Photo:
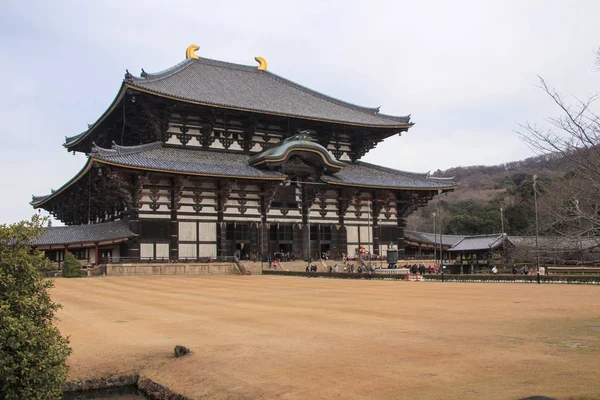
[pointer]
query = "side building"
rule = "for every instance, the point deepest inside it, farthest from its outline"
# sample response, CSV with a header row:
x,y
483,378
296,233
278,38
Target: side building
x,y
209,159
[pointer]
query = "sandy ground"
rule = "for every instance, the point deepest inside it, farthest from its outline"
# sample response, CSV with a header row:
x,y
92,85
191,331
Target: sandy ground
x,y
297,338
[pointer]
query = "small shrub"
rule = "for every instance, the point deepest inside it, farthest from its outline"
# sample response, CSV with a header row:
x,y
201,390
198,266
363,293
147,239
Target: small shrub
x,y
180,351
71,267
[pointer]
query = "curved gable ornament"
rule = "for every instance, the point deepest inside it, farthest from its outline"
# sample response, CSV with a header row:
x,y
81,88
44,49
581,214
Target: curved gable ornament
x,y
191,50
262,63
298,145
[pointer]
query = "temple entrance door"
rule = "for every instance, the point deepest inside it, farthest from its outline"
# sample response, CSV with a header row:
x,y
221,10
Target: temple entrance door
x,y
241,250
285,247
325,248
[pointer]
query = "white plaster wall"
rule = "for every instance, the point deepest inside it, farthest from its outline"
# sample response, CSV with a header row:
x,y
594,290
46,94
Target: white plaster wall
x,y
187,231
146,250
187,250
208,232
162,250
208,250
352,234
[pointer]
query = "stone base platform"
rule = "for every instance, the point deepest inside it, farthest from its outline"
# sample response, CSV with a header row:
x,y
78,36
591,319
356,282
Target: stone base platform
x,y
172,269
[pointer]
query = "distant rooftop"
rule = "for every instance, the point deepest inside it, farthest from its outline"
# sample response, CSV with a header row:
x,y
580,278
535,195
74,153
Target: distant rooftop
x,y
480,242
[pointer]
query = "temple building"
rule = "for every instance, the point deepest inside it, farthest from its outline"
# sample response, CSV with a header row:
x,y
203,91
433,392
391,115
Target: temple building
x,y
209,159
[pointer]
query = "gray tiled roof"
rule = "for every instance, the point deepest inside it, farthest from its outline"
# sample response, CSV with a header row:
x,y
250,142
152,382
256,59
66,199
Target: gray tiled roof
x,y
371,175
84,233
425,237
156,156
480,242
192,161
244,87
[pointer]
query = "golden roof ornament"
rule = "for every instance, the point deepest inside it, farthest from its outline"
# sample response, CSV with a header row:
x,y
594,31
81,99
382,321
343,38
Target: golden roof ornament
x,y
190,52
262,63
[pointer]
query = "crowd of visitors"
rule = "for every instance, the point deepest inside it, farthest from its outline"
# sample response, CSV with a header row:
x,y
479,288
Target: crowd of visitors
x,y
421,269
284,256
524,270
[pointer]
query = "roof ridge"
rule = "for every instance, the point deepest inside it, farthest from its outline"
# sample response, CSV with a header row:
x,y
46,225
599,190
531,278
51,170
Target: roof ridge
x,y
119,150
485,235
431,233
423,175
165,73
116,222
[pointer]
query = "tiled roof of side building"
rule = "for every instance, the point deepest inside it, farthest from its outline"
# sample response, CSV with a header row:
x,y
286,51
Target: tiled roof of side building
x,y
480,242
84,233
243,87
426,237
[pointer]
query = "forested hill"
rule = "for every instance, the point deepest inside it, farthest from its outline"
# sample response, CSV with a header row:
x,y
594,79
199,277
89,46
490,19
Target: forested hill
x,y
475,207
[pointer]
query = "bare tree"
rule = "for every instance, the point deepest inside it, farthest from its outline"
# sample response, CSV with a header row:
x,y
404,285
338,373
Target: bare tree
x,y
570,206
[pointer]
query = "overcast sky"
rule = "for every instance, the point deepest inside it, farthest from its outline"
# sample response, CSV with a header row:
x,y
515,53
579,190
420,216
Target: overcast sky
x,y
465,70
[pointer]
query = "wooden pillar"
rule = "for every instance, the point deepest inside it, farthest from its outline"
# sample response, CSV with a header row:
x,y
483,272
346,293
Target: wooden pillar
x,y
319,236
297,239
472,255
308,196
96,254
263,237
133,244
305,234
376,206
266,196
344,200
400,241
403,203
176,191
223,192
335,242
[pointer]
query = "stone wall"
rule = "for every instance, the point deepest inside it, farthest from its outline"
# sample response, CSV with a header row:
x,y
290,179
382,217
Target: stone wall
x,y
172,269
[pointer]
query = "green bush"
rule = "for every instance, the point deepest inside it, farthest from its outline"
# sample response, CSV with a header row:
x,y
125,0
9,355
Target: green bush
x,y
549,279
582,279
32,351
339,275
71,268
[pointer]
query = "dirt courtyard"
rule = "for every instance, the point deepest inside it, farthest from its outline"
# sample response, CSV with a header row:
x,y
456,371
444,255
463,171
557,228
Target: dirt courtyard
x,y
297,338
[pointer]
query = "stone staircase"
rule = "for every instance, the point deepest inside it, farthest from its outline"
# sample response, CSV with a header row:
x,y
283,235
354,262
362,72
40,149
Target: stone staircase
x,y
252,267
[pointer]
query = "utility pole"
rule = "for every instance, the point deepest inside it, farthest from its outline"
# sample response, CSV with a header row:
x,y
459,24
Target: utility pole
x,y
440,219
503,238
308,233
434,240
537,246
369,231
